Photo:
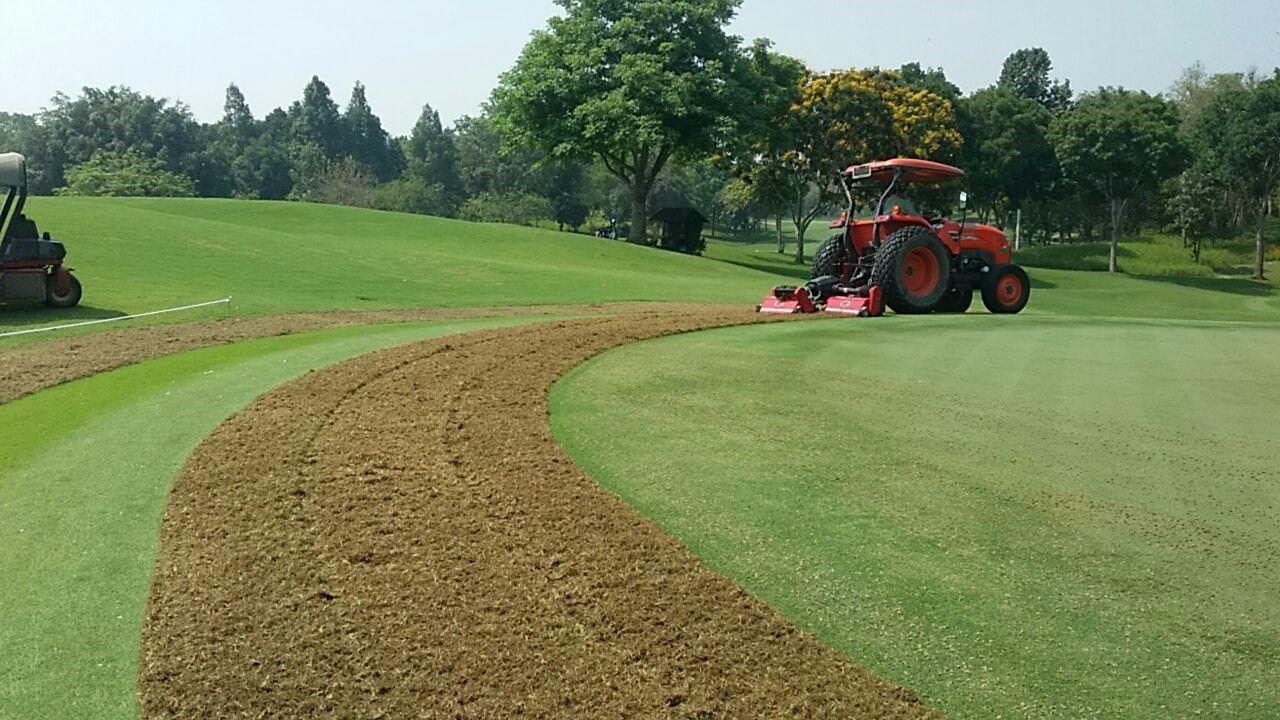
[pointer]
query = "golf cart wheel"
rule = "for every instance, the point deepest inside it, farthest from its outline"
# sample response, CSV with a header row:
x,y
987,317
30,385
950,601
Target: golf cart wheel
x,y
69,298
832,259
1006,290
955,300
913,269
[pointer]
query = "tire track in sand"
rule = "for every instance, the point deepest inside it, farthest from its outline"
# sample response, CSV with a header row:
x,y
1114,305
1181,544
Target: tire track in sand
x,y
401,536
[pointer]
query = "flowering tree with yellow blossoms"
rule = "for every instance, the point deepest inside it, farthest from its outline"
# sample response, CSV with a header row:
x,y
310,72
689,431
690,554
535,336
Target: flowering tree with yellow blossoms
x,y
847,117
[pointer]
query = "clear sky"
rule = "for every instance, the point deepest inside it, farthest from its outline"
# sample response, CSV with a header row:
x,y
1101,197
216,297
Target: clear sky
x,y
450,52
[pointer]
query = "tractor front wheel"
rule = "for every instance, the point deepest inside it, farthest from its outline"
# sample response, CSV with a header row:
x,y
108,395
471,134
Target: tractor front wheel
x,y
955,300
1006,290
913,269
65,297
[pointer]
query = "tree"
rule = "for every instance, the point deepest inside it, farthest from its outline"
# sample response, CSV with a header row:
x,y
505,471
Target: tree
x,y
932,79
237,117
1008,158
368,143
1195,89
317,121
1119,143
633,83
15,129
17,134
1240,131
125,174
430,154
261,171
116,120
764,161
1026,74
703,182
852,116
1191,207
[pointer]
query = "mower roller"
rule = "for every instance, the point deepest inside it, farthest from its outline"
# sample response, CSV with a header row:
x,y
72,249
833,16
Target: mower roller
x,y
908,263
31,266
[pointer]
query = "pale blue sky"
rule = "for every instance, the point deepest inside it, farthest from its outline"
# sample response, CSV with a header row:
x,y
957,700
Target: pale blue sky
x,y
450,52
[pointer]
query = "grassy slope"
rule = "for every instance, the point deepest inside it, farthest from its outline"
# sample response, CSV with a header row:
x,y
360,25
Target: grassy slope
x,y
142,254
85,470
1038,516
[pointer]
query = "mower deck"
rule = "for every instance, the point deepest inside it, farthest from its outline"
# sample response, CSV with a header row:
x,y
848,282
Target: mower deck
x,y
811,298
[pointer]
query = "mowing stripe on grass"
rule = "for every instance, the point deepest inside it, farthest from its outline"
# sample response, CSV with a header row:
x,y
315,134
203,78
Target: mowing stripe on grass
x,y
85,470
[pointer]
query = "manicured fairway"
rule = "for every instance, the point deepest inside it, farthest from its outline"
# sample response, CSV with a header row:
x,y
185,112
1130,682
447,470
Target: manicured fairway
x,y
136,254
1019,517
85,470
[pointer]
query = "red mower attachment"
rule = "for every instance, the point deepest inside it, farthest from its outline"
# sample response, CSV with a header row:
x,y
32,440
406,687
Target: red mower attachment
x,y
824,294
870,305
787,300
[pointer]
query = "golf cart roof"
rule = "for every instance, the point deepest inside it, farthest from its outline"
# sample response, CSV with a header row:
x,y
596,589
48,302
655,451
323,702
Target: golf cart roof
x,y
13,170
915,171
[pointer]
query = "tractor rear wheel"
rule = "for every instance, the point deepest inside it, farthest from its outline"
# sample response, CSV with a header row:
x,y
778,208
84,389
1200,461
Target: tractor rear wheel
x,y
1006,289
68,297
913,269
832,259
955,300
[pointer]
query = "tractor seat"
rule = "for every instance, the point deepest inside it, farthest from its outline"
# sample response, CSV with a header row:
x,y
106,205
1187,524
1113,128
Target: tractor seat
x,y
23,243
25,250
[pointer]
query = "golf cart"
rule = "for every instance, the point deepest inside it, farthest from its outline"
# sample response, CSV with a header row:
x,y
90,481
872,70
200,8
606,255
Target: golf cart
x,y
31,266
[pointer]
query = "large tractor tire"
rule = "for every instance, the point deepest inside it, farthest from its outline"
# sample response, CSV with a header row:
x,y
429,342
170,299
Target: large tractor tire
x,y
68,299
832,259
955,300
1006,289
913,270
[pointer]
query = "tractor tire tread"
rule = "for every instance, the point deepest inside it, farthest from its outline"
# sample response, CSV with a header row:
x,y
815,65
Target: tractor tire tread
x,y
826,261
890,256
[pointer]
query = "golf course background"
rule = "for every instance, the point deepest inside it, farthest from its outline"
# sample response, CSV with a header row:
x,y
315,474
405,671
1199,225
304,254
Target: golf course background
x,y
979,507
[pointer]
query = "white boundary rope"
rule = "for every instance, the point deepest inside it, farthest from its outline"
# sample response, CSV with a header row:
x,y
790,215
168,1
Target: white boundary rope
x,y
226,300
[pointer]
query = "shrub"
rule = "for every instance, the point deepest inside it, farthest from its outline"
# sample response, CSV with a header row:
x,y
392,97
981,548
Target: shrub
x,y
125,174
512,208
345,182
414,195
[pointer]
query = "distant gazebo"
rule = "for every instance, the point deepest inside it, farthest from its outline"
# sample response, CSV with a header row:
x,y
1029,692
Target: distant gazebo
x,y
681,229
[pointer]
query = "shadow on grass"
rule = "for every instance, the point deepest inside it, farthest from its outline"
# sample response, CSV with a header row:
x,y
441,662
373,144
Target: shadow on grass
x,y
784,268
17,317
1232,285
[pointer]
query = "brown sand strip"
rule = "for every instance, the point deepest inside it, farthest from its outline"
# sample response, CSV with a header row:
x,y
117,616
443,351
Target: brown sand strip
x,y
29,368
400,536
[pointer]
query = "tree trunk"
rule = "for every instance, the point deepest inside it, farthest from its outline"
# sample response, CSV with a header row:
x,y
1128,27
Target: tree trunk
x,y
1184,236
800,230
639,234
1260,260
1117,209
777,227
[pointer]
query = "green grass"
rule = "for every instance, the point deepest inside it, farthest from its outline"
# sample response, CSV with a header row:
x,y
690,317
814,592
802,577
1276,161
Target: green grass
x,y
141,254
85,471
1041,516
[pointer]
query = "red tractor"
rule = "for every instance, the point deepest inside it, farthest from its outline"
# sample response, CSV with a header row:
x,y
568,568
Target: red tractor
x,y
909,263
